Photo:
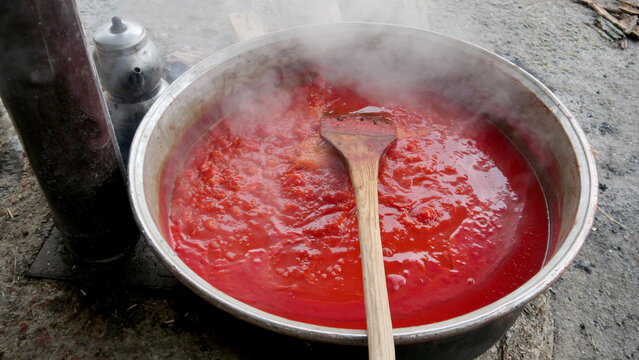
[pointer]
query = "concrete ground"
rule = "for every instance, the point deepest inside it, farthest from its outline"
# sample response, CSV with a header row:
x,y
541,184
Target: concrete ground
x,y
592,312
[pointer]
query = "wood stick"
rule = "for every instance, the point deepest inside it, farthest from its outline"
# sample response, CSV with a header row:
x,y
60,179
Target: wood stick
x,y
629,22
629,9
611,9
599,9
603,33
623,44
612,31
629,3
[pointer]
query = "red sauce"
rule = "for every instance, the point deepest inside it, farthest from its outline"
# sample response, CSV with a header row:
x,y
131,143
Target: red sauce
x,y
263,209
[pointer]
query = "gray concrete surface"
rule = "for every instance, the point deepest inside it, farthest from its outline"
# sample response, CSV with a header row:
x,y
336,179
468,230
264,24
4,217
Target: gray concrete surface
x,y
592,312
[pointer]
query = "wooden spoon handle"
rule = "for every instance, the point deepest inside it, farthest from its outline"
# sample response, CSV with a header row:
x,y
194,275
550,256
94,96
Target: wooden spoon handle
x,y
364,175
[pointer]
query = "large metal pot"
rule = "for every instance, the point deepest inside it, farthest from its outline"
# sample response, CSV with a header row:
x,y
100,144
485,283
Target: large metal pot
x,y
525,110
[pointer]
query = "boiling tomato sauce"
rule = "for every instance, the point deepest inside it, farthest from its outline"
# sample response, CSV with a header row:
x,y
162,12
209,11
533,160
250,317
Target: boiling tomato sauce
x,y
263,209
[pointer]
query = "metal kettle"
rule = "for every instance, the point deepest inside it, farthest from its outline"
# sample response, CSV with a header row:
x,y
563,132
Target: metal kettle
x,y
130,69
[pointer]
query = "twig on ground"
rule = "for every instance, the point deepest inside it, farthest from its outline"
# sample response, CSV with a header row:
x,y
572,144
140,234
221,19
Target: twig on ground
x,y
627,25
611,9
610,217
612,31
629,3
629,22
629,9
15,265
602,33
624,44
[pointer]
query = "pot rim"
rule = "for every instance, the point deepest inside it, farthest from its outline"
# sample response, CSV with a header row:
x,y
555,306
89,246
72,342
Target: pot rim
x,y
512,302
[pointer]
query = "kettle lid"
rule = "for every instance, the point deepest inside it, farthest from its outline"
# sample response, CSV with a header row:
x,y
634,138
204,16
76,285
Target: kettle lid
x,y
119,34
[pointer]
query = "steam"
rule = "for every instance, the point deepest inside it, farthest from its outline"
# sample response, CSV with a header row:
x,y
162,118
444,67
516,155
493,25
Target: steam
x,y
207,26
394,65
256,102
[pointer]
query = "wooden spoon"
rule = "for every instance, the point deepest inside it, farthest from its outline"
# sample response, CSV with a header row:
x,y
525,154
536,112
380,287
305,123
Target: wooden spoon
x,y
361,138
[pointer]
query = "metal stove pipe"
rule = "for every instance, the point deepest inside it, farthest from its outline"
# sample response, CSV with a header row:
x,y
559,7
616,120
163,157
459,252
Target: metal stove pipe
x,y
49,86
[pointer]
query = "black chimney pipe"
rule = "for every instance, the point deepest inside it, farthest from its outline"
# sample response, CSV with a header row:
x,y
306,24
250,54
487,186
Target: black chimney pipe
x,y
50,89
